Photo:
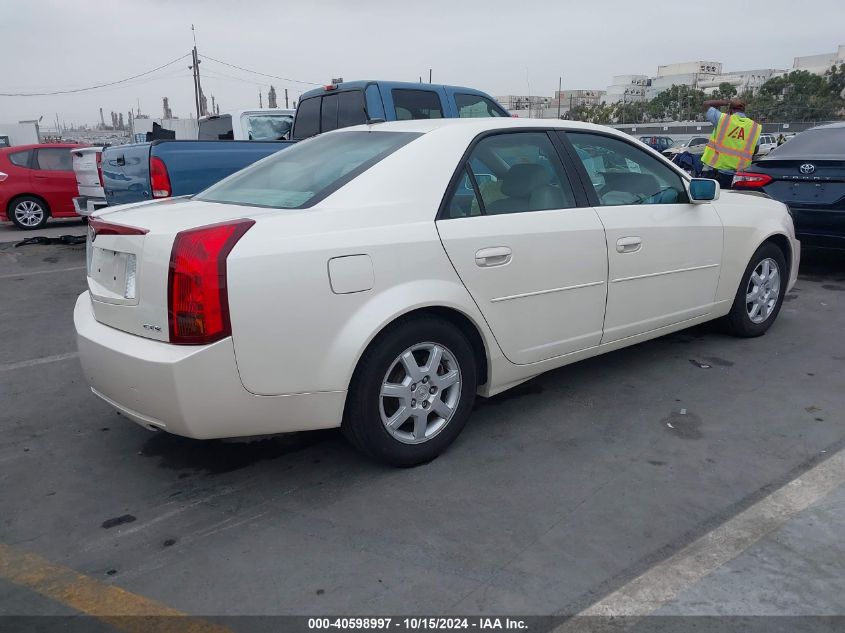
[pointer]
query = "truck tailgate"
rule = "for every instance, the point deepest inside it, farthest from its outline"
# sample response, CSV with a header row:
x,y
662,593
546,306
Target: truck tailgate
x,y
126,173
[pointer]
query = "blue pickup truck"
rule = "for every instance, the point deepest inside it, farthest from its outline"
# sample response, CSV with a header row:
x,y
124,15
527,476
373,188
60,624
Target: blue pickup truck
x,y
163,168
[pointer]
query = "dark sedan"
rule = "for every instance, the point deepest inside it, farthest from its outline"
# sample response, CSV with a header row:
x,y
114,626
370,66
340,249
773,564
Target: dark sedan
x,y
808,174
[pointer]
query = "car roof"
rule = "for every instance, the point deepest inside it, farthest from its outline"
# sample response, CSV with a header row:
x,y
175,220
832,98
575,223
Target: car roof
x,y
424,126
362,84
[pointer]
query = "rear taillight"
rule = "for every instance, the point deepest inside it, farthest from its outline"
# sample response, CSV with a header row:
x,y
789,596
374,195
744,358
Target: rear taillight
x,y
748,180
100,168
159,178
198,301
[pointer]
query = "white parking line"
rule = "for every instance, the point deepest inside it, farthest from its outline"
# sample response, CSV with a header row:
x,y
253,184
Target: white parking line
x,y
42,272
666,580
38,361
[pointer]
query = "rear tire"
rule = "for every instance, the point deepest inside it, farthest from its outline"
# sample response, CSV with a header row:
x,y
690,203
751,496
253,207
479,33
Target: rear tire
x,y
760,294
28,212
412,392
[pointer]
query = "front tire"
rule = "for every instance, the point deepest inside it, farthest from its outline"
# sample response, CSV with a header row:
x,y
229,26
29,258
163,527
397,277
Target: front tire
x,y
412,392
28,212
760,294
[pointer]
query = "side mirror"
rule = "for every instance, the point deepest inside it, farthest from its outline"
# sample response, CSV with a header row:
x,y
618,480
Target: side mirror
x,y
702,190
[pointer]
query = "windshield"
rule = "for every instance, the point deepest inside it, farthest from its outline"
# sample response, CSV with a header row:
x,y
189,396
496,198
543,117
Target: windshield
x,y
307,172
817,143
266,127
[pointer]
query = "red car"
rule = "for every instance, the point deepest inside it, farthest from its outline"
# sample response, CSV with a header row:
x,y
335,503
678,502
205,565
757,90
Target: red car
x,y
37,182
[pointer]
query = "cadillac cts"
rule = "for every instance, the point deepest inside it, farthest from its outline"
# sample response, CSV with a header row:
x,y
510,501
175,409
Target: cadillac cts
x,y
379,277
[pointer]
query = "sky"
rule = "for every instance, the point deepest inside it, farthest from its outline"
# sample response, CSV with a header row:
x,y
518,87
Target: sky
x,y
501,47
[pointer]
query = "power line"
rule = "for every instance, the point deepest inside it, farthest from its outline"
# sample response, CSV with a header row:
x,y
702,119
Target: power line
x,y
111,83
255,72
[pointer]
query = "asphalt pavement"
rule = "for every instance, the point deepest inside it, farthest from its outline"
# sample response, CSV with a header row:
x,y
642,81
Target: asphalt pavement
x,y
559,493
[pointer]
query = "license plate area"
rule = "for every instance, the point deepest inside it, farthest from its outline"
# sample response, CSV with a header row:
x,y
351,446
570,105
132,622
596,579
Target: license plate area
x,y
112,275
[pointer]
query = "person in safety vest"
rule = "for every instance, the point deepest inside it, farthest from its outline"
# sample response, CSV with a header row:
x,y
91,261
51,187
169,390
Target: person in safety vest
x,y
732,143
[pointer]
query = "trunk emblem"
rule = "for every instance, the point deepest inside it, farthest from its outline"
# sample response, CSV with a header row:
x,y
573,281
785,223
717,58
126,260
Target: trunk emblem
x,y
154,328
807,168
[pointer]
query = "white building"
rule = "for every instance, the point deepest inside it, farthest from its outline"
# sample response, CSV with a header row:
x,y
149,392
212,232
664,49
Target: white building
x,y
627,88
820,64
690,74
743,80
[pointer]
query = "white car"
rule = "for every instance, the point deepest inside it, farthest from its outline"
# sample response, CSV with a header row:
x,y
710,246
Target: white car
x,y
378,277
766,144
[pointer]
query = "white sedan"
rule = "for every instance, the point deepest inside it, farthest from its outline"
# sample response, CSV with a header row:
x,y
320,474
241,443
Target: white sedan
x,y
379,277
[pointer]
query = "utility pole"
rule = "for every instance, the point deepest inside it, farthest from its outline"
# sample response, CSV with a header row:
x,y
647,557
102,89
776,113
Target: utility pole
x,y
286,99
559,88
196,68
429,75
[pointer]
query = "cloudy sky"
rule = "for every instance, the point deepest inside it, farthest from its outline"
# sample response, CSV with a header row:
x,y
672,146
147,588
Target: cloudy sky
x,y
499,46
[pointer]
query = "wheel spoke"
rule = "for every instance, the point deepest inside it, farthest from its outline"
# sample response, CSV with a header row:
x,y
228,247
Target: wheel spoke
x,y
766,269
392,390
756,278
434,359
411,368
420,424
751,297
764,309
448,379
755,309
399,418
774,277
442,409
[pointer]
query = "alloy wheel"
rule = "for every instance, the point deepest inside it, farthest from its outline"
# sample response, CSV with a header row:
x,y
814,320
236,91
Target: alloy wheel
x,y
420,393
761,295
29,213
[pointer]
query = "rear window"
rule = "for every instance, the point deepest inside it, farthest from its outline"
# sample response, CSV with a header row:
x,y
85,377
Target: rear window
x,y
309,171
266,127
218,128
817,143
416,104
21,159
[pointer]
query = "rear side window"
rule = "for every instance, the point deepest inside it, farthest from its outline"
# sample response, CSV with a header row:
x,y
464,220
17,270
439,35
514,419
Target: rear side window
x,y
54,160
416,104
328,113
218,128
263,127
476,106
304,174
21,159
307,122
351,109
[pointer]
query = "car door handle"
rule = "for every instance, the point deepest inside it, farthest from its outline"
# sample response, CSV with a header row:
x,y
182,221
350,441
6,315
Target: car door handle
x,y
120,161
629,244
495,256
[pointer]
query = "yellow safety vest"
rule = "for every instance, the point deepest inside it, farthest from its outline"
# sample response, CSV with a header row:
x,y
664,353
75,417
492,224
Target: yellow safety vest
x,y
732,143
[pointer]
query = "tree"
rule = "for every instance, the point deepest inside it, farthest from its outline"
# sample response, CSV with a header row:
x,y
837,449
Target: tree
x,y
724,91
800,96
678,103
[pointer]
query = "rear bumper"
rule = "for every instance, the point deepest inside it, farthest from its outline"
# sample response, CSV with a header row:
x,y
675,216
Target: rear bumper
x,y
85,206
194,391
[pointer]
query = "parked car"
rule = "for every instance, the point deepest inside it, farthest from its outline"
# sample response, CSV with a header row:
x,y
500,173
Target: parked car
x,y
272,124
36,183
694,145
160,169
808,174
659,143
346,282
766,144
88,169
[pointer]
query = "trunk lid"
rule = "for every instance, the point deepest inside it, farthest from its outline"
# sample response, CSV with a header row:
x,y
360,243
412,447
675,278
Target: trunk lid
x,y
128,258
805,182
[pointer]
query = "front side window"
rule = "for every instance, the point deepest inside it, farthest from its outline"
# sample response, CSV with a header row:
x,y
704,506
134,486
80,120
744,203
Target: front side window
x,y
21,159
476,106
307,122
512,173
54,159
307,172
623,174
267,127
416,104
